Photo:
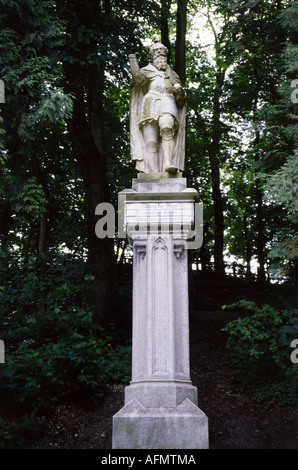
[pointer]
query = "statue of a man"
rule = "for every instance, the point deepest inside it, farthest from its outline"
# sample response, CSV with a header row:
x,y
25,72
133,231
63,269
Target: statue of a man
x,y
157,115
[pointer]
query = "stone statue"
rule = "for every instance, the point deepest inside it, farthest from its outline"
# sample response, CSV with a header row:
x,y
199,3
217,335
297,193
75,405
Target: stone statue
x,y
157,115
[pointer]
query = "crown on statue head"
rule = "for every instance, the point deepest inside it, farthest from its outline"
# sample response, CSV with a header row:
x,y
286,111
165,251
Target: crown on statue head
x,y
157,49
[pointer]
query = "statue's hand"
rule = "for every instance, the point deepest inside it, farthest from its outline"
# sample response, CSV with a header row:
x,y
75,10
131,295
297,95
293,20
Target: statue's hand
x,y
138,78
179,93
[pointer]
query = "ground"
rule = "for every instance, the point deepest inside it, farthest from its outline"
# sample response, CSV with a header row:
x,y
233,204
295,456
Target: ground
x,y
236,421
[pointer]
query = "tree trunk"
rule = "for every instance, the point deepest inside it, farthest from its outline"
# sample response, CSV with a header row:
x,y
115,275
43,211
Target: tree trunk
x,y
214,151
204,253
180,39
43,224
260,237
296,267
260,240
87,144
247,248
86,80
42,233
164,26
260,223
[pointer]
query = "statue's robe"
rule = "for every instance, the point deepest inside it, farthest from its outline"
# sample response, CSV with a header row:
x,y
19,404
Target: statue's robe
x,y
147,105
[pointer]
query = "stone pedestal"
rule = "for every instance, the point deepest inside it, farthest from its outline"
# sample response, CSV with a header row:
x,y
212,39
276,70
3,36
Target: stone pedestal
x,y
160,409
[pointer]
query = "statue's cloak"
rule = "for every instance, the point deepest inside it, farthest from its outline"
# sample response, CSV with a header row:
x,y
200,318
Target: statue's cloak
x,y
137,144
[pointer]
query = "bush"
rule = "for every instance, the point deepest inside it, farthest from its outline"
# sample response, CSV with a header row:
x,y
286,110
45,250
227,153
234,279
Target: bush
x,y
260,352
34,377
53,346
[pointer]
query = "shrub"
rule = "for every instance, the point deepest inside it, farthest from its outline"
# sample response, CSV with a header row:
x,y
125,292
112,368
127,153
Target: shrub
x,y
53,346
259,346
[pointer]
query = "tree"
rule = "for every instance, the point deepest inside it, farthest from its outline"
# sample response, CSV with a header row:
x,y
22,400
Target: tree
x,y
95,33
212,127
181,22
164,25
35,108
252,87
281,185
264,55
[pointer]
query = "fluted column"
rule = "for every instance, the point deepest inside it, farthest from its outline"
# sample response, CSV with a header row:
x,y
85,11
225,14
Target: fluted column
x,y
160,402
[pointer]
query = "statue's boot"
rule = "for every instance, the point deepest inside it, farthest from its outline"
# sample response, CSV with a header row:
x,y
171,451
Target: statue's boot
x,y
152,157
169,163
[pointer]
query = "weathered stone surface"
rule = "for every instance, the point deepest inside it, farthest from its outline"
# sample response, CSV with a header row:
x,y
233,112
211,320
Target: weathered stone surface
x,y
157,115
159,175
158,185
160,318
138,427
160,409
161,394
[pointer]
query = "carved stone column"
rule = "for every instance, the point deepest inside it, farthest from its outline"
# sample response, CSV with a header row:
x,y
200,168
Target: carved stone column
x,y
160,409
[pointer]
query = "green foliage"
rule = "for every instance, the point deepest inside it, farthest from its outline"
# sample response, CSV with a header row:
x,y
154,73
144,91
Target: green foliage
x,y
289,16
280,186
259,355
19,432
53,345
53,108
288,332
29,199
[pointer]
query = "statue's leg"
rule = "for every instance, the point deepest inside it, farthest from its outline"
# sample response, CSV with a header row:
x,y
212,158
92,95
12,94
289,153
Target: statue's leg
x,y
150,135
166,124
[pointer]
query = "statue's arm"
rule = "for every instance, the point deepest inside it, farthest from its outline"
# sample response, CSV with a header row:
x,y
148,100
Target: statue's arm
x,y
179,93
138,78
179,90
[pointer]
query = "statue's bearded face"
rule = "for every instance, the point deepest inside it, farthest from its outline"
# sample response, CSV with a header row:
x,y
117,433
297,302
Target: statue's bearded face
x,y
160,59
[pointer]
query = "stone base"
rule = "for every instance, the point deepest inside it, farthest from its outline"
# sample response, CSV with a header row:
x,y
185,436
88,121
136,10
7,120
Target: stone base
x,y
165,174
183,427
161,394
158,186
